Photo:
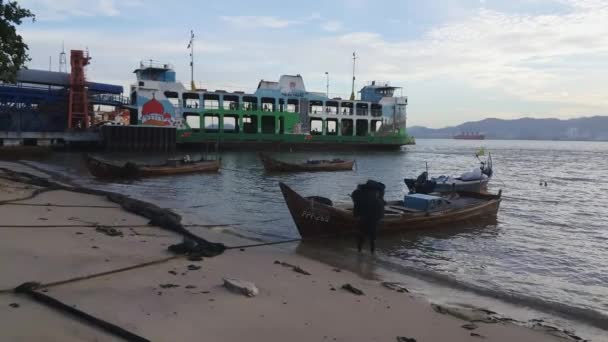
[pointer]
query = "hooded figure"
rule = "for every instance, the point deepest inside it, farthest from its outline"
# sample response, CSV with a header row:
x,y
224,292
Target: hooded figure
x,y
368,200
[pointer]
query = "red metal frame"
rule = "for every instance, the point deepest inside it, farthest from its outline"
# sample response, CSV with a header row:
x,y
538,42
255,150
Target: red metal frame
x,y
78,113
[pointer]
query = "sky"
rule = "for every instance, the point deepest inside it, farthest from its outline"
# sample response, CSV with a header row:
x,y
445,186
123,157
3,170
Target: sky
x,y
457,60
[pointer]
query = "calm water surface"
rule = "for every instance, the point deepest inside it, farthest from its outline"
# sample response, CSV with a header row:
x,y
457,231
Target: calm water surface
x,y
547,250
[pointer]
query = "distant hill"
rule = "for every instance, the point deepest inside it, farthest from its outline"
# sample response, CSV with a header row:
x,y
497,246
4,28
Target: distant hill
x,y
588,128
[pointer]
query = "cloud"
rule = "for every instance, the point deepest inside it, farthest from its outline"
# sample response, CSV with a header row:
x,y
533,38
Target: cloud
x,y
59,10
488,61
332,26
253,22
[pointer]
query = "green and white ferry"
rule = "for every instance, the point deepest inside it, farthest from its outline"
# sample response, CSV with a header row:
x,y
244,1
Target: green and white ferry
x,y
278,115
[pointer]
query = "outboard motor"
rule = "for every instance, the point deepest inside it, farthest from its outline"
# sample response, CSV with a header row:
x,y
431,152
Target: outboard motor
x,y
421,185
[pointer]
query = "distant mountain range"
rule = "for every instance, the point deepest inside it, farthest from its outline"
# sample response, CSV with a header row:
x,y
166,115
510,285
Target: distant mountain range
x,y
588,128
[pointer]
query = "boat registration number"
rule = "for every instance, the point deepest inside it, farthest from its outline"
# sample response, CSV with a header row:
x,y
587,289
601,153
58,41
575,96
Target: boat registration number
x,y
310,215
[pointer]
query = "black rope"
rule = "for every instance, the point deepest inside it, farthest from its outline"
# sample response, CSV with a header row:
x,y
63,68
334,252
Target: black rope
x,y
29,289
62,205
264,244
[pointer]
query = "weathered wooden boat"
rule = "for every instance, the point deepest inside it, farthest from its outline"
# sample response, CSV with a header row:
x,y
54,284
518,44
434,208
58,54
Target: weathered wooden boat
x,y
273,165
315,218
101,168
442,184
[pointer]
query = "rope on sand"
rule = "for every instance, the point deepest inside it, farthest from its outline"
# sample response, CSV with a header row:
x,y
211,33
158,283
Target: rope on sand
x,y
265,244
29,289
101,274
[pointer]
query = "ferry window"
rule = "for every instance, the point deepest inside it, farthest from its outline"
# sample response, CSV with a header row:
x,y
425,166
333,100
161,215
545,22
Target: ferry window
x,y
347,127
134,98
376,110
194,121
316,107
362,108
211,101
250,103
331,107
191,100
212,123
347,108
250,124
231,102
268,104
268,125
316,126
376,124
281,125
332,127
173,97
231,124
293,105
361,128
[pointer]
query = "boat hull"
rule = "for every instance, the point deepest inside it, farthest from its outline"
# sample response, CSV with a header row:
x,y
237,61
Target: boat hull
x,y
314,219
468,186
103,169
273,165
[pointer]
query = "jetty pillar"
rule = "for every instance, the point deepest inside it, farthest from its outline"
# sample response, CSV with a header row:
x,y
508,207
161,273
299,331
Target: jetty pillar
x,y
139,138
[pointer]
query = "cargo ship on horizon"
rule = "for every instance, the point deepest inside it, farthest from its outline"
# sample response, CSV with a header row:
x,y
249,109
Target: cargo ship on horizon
x,y
470,136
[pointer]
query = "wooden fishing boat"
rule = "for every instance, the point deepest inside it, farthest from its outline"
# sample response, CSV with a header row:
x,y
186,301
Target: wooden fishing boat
x,y
101,168
320,218
273,165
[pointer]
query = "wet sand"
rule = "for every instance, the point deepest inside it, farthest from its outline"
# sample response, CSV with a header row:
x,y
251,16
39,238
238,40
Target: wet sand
x,y
177,301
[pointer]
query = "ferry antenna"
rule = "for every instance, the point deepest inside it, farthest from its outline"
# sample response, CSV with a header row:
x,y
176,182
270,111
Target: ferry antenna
x,y
352,94
191,47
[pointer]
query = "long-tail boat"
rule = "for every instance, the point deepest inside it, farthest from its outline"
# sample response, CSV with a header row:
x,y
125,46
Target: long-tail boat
x,y
273,165
318,217
101,168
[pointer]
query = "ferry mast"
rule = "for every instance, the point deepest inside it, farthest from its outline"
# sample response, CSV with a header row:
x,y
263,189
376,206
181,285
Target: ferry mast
x,y
191,47
352,94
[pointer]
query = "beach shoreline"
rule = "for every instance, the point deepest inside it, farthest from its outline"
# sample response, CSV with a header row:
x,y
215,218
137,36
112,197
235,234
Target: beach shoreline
x,y
291,305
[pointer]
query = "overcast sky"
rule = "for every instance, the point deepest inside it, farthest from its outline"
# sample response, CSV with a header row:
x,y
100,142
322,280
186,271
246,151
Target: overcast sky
x,y
457,60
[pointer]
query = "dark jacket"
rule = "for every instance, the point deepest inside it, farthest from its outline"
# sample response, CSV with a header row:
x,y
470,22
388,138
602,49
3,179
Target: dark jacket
x,y
368,203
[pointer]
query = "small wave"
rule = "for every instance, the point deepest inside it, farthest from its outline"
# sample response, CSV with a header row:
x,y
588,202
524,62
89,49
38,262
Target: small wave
x,y
584,315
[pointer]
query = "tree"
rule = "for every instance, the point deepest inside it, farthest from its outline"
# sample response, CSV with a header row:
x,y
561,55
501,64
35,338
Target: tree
x,y
13,51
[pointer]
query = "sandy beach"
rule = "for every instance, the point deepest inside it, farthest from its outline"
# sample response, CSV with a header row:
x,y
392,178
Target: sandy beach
x,y
52,237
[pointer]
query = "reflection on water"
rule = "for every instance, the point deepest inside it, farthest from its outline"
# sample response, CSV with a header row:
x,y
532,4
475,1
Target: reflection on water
x,y
547,244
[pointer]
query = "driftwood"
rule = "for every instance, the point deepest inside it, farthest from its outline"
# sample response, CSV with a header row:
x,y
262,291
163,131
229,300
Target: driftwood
x,y
352,289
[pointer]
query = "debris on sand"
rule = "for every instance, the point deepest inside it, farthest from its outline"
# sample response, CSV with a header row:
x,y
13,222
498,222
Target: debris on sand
x,y
395,286
190,286
477,335
172,272
405,339
240,286
554,331
109,231
468,314
470,326
14,305
352,289
193,268
295,268
168,286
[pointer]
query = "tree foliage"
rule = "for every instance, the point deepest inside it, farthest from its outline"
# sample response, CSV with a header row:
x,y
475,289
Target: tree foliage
x,y
13,51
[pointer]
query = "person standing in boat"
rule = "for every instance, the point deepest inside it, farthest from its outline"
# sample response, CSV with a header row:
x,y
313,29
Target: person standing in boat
x,y
368,200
